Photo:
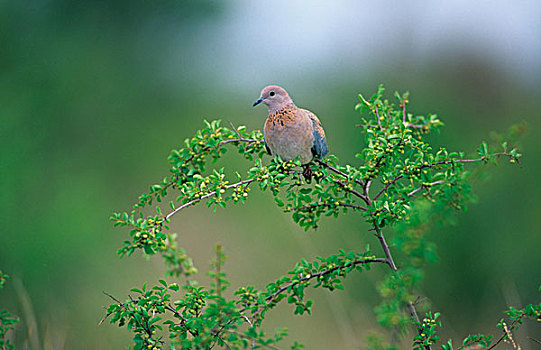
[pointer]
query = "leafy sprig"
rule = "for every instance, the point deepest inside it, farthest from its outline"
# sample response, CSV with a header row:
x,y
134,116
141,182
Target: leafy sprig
x,y
7,320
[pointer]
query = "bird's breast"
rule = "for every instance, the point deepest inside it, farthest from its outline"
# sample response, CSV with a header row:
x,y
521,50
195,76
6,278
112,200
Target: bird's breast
x,y
289,135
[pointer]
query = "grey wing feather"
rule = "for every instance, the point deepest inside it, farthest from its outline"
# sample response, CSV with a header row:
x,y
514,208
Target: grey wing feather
x,y
320,147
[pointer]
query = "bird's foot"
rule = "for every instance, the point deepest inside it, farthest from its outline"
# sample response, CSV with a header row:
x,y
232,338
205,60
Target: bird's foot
x,y
307,173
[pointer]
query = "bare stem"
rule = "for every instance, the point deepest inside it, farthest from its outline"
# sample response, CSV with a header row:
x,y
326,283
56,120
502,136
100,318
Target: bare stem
x,y
391,263
377,117
404,112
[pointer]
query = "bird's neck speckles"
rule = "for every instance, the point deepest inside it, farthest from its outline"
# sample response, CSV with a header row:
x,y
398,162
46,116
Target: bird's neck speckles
x,y
284,114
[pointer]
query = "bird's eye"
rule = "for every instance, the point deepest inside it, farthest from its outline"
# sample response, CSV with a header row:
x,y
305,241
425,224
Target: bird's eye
x,y
272,93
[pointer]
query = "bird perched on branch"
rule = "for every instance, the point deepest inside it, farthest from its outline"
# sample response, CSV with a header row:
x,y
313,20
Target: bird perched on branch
x,y
290,131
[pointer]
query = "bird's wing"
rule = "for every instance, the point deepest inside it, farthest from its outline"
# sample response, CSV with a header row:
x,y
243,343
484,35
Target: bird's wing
x,y
266,146
320,147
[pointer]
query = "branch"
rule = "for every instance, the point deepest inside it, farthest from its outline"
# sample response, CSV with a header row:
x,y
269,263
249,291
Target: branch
x,y
425,186
404,112
443,162
390,183
390,261
506,332
384,156
498,154
377,117
224,142
385,246
182,319
109,313
352,191
208,195
367,125
176,177
333,169
269,299
142,324
338,204
251,325
365,187
415,126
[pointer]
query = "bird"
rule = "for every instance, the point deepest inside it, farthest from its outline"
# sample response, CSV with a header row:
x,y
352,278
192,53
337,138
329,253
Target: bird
x,y
290,131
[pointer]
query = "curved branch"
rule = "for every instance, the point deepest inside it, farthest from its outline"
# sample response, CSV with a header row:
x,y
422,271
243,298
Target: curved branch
x,y
208,195
175,177
269,299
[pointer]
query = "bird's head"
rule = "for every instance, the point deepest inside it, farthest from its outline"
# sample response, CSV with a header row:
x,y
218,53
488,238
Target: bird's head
x,y
275,97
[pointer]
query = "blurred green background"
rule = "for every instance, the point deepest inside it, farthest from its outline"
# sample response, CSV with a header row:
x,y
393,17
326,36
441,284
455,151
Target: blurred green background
x,y
94,95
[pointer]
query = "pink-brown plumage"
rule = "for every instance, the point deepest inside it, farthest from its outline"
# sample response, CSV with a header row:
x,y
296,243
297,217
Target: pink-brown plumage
x,y
289,131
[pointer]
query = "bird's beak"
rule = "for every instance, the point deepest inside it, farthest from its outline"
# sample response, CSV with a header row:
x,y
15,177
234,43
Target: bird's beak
x,y
258,102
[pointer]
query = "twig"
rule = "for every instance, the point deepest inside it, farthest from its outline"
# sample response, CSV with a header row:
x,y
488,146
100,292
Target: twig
x,y
425,186
498,154
387,186
176,177
313,206
251,325
333,169
415,126
109,313
352,191
367,125
404,112
340,183
377,116
112,297
534,340
502,338
224,142
225,343
443,162
269,299
208,195
367,187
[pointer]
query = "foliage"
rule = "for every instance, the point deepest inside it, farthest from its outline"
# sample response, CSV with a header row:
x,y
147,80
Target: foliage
x,y
399,184
428,330
7,321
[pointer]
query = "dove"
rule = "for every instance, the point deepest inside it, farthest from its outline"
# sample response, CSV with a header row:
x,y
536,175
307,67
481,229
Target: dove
x,y
290,131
